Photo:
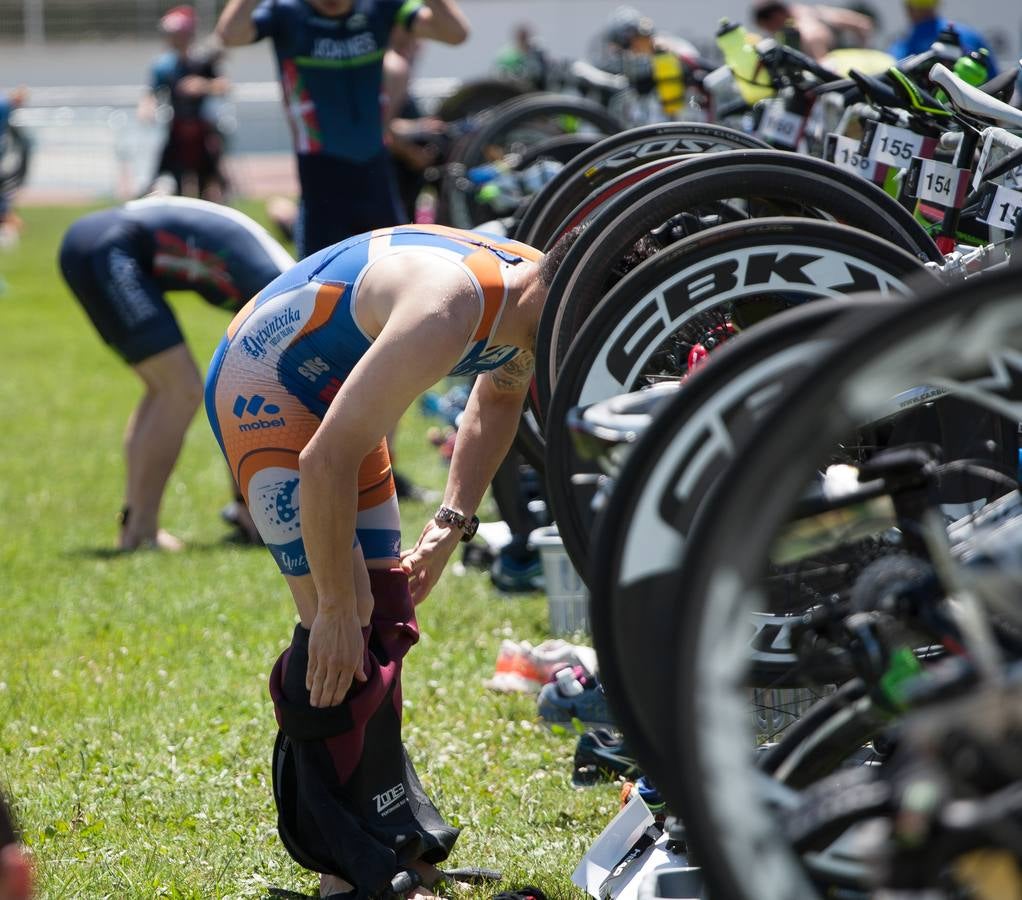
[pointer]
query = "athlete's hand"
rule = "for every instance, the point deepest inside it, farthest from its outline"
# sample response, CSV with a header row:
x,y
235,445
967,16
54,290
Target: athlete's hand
x,y
336,653
425,562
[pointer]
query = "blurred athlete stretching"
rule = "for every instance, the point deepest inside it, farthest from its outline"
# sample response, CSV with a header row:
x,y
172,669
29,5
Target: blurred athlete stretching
x,y
118,263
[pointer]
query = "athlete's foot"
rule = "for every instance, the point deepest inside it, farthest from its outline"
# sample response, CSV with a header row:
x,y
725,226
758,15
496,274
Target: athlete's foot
x,y
331,884
162,540
431,876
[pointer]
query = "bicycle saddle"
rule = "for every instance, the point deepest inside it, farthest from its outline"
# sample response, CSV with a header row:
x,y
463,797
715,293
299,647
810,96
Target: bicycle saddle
x,y
971,100
879,92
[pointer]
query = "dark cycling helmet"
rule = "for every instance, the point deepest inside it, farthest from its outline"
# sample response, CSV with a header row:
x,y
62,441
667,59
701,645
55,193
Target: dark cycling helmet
x,y
626,24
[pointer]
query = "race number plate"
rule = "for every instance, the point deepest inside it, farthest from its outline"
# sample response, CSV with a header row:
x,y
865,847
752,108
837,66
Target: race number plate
x,y
937,182
893,146
844,153
1001,208
780,127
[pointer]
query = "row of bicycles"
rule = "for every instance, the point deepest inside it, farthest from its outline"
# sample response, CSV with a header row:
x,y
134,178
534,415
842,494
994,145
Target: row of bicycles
x,y
777,403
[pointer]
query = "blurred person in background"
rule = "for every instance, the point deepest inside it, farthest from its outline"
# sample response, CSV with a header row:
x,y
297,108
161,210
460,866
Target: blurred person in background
x,y
14,154
119,263
413,139
524,59
926,25
184,79
330,57
820,28
631,36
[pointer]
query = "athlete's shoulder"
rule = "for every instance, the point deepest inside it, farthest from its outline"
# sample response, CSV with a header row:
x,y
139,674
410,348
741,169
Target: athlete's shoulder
x,y
285,15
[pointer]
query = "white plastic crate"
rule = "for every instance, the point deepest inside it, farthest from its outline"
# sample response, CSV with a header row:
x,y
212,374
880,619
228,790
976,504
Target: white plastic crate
x,y
567,596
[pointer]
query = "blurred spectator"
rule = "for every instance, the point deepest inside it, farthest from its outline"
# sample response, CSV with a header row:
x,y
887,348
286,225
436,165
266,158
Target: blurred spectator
x,y
523,59
13,166
819,27
15,869
184,79
630,36
413,140
927,24
330,55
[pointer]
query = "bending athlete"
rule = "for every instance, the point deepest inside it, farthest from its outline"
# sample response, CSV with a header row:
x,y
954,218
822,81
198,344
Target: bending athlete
x,y
119,263
341,346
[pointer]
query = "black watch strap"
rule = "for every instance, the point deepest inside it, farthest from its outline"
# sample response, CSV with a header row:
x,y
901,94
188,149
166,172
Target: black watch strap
x,y
447,516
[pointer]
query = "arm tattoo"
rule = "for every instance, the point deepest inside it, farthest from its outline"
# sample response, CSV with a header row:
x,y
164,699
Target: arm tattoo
x,y
515,375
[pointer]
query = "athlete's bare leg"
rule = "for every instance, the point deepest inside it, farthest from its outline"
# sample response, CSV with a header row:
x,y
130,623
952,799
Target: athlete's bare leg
x,y
153,442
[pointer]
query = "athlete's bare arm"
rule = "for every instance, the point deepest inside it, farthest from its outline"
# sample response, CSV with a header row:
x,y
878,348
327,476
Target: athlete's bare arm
x,y
846,20
235,26
429,319
485,435
441,20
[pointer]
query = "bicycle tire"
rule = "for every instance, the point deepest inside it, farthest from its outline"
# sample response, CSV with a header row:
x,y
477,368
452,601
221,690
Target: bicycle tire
x,y
614,156
633,548
907,346
731,266
479,96
580,283
457,206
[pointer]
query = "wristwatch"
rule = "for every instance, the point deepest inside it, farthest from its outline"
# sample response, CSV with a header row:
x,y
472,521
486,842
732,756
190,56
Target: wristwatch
x,y
447,516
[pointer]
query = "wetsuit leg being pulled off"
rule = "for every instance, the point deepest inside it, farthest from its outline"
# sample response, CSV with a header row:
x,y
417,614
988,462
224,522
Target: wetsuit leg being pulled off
x,y
341,810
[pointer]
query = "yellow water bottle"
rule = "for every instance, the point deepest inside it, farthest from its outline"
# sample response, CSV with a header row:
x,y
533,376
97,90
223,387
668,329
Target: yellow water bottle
x,y
752,80
669,81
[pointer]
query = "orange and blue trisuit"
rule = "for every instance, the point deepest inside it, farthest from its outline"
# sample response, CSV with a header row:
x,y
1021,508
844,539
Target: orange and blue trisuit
x,y
287,353
340,810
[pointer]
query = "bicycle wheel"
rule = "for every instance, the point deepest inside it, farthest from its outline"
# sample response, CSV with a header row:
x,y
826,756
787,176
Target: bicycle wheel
x,y
614,156
511,128
697,294
689,442
964,339
768,182
479,96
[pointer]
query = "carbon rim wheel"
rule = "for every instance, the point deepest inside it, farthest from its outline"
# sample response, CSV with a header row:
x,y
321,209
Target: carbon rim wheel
x,y
813,186
513,126
690,442
615,156
966,339
701,290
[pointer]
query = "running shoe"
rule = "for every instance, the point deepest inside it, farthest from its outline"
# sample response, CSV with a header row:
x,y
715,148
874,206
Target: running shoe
x,y
649,794
515,670
601,755
575,695
517,576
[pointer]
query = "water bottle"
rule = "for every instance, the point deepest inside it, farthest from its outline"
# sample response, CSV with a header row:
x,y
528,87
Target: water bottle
x,y
752,79
567,684
974,68
669,81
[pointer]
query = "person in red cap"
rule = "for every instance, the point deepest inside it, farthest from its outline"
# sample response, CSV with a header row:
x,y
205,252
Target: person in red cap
x,y
185,78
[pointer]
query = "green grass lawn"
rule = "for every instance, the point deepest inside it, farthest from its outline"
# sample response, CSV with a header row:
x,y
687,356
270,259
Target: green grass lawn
x,y
135,724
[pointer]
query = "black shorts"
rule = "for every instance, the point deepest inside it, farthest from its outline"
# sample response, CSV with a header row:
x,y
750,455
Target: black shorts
x,y
107,261
341,198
